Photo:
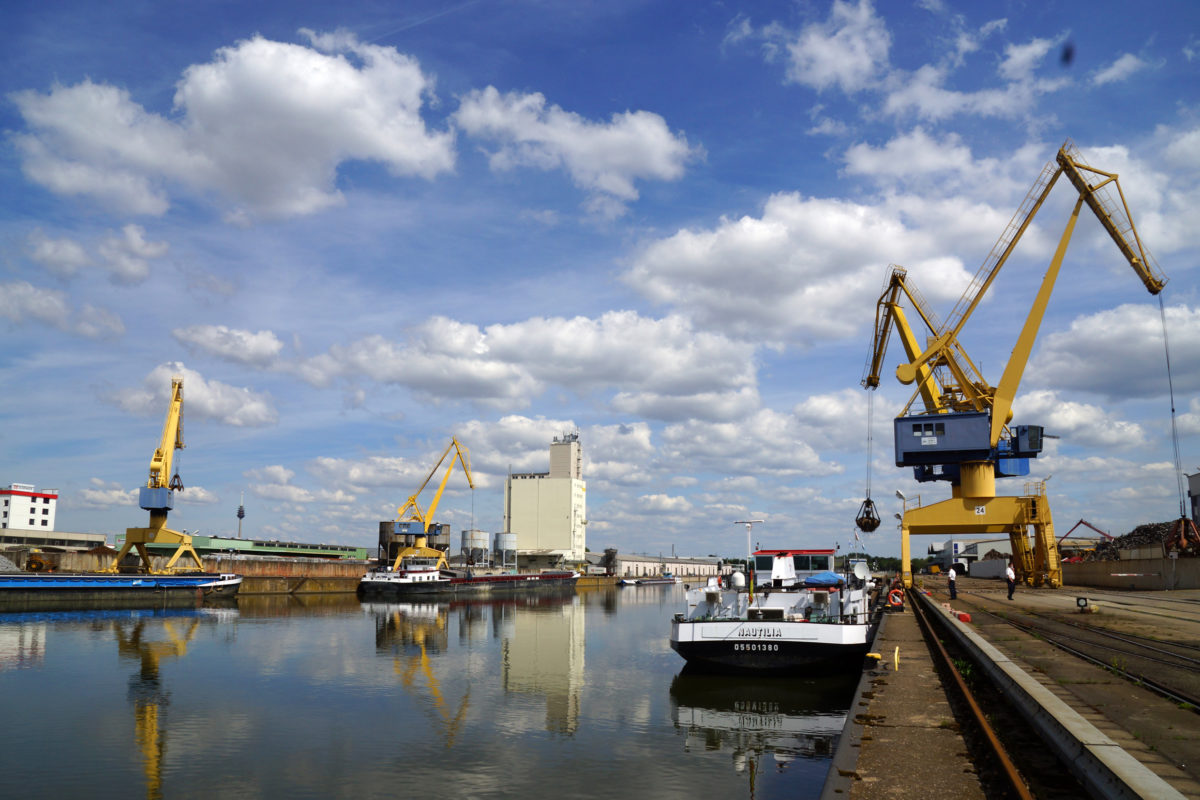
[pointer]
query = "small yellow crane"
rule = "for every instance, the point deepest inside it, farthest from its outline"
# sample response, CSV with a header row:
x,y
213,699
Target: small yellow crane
x,y
158,497
421,550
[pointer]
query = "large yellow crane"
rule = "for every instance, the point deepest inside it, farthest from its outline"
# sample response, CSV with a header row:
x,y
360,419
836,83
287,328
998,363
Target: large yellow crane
x,y
421,550
962,434
158,497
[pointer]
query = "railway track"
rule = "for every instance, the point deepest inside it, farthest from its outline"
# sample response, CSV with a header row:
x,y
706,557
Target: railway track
x,y
1136,676
996,750
1118,660
1167,667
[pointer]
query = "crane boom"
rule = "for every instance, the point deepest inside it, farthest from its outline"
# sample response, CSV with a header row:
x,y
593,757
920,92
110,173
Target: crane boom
x,y
172,440
1115,220
463,457
952,382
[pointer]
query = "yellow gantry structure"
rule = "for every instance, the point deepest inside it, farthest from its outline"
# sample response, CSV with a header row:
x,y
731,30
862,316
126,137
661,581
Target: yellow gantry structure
x,y
158,497
947,381
421,550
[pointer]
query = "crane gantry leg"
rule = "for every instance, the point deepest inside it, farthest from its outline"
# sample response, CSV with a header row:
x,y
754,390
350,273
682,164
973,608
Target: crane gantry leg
x,y
137,538
961,515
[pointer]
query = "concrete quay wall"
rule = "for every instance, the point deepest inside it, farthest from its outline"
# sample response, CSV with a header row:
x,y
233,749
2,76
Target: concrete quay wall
x,y
1141,574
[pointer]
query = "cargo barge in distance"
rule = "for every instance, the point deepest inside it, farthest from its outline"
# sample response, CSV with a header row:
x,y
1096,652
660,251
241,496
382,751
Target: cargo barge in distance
x,y
423,570
21,588
415,581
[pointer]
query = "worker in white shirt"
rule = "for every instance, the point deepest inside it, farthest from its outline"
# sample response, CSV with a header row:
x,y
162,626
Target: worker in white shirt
x,y
1011,577
952,575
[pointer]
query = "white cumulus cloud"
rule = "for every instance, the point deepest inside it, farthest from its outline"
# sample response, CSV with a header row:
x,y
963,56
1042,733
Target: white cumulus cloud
x,y
1119,70
202,398
21,301
603,158
239,346
264,125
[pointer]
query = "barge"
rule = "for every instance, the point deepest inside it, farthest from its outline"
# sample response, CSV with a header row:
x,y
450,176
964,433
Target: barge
x,y
412,581
796,621
19,589
422,570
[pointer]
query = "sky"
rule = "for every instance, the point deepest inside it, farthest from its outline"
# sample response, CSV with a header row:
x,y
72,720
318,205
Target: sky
x,y
359,229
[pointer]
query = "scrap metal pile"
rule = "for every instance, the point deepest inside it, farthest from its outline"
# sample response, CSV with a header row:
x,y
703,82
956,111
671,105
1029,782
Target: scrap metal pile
x,y
1166,535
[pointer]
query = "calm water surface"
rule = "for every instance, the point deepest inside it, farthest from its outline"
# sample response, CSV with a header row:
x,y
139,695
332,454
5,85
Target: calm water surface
x,y
573,696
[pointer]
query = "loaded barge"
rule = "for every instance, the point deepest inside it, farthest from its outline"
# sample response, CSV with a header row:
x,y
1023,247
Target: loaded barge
x,y
414,581
423,570
26,589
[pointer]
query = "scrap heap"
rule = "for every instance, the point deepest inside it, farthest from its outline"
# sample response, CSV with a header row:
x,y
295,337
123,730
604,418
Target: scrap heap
x,y
1166,535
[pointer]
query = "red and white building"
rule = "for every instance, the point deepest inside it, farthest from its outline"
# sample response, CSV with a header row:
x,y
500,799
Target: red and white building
x,y
22,506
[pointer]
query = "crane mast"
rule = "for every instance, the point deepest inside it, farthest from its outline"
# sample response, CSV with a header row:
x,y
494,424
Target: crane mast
x,y
962,435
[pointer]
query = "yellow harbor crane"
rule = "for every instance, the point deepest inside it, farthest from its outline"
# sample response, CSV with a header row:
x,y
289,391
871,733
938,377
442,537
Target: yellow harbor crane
x,y
421,550
158,497
961,433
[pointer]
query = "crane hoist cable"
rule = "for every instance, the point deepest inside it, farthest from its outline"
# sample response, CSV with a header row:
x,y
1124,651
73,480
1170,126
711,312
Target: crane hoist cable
x,y
1162,312
868,516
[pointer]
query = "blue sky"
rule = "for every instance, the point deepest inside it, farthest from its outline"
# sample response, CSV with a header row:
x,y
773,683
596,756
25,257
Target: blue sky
x,y
358,229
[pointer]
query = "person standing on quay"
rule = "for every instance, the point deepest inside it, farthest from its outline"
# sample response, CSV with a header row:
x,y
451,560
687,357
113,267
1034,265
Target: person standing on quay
x,y
952,575
1011,577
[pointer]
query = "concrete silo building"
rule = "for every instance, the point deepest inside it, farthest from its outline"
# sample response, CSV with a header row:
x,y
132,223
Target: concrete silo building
x,y
547,511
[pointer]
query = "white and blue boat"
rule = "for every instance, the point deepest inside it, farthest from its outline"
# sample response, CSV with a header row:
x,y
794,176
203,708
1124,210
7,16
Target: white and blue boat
x,y
794,619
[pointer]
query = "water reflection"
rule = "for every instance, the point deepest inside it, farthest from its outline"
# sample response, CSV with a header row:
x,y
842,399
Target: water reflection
x,y
761,721
322,696
413,632
543,656
148,639
300,605
23,646
541,640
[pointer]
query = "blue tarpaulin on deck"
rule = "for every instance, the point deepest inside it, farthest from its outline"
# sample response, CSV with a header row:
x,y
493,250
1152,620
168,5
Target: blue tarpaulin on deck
x,y
823,579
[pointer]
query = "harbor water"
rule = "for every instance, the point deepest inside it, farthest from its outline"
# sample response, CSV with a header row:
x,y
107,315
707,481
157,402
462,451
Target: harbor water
x,y
575,695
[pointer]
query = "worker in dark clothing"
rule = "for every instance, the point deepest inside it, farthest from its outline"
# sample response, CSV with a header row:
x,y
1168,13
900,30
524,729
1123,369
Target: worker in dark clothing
x,y
952,575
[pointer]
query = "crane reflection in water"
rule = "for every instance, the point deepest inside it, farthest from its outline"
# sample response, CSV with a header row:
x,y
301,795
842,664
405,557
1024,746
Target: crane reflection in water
x,y
414,631
135,642
786,720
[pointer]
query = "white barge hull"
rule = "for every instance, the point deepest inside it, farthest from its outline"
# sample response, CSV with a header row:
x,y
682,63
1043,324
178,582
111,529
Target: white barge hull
x,y
768,646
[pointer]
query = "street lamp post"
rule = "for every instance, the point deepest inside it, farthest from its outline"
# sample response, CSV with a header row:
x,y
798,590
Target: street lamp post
x,y
749,523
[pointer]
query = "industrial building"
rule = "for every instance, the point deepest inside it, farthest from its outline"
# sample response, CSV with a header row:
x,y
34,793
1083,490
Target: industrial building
x,y
547,511
27,520
651,566
21,506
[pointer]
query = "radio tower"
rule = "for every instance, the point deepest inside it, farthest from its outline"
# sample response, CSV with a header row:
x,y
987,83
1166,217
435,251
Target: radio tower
x,y
241,513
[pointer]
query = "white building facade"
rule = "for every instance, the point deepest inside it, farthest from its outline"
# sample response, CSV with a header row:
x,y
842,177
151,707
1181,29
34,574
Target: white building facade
x,y
547,511
22,506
